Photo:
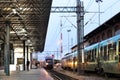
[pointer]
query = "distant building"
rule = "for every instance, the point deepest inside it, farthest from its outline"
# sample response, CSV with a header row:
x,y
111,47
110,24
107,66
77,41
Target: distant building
x,y
106,30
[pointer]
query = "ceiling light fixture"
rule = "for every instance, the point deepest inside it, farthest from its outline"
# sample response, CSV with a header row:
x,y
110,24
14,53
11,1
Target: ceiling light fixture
x,y
14,11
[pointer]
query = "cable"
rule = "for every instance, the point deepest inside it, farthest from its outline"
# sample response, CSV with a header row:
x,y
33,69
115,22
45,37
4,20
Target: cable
x,y
93,19
68,2
56,36
89,4
111,5
70,22
90,19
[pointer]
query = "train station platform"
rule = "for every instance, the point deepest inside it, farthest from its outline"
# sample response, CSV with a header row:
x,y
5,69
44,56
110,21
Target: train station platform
x,y
33,74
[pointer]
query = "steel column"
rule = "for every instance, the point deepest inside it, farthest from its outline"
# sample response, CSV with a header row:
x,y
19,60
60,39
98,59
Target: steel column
x,y
23,55
80,35
7,49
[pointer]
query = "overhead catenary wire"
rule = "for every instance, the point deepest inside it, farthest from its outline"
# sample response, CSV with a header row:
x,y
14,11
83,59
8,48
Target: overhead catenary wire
x,y
71,23
57,32
93,18
58,27
56,35
89,4
112,5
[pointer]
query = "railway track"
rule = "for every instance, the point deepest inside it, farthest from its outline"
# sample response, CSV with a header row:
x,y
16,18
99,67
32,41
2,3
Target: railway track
x,y
105,76
60,76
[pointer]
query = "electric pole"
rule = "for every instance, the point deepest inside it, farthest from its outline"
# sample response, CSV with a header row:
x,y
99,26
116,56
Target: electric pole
x,y
79,10
80,35
98,1
61,47
98,59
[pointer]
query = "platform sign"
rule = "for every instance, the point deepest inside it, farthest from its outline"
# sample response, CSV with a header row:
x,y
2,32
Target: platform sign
x,y
19,60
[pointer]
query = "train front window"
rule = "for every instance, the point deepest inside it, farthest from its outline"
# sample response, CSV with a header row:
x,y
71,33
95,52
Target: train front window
x,y
48,61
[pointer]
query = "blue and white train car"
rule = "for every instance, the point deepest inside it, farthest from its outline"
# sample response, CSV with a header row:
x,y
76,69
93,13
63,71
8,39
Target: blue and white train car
x,y
104,56
49,61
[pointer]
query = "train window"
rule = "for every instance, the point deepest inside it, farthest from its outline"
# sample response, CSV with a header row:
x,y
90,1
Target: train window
x,y
109,51
95,53
114,46
85,56
100,51
114,50
119,46
92,55
88,56
105,53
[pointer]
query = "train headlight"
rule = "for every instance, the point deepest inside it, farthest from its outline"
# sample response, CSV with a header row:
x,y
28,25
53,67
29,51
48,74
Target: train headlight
x,y
46,63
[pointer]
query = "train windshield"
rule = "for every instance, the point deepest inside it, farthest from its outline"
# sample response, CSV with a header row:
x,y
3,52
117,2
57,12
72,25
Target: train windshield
x,y
48,60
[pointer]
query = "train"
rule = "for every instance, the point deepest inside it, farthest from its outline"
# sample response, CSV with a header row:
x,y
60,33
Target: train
x,y
49,63
101,57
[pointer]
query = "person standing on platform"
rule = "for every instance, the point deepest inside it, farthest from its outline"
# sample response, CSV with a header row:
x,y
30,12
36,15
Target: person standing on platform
x,y
28,63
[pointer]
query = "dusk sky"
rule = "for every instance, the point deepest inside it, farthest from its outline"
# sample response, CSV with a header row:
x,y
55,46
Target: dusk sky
x,y
108,8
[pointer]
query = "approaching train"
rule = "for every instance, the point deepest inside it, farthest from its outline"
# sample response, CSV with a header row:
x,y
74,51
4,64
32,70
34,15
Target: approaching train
x,y
69,61
101,57
49,61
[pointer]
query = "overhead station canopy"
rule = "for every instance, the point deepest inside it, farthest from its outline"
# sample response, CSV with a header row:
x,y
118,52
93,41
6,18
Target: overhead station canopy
x,y
28,21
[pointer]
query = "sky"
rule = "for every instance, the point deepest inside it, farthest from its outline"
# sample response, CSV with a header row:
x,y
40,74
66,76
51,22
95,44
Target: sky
x,y
108,8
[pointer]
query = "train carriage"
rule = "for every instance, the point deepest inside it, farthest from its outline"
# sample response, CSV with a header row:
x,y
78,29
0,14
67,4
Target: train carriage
x,y
69,61
49,61
101,57
90,56
66,61
105,56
